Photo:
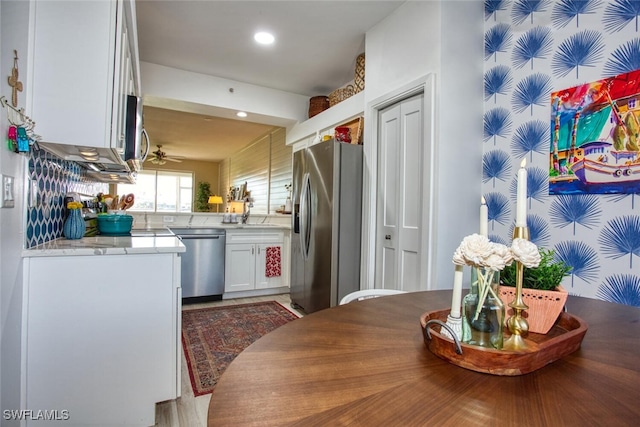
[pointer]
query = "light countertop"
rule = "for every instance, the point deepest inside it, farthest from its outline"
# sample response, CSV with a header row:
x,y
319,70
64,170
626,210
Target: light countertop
x,y
107,245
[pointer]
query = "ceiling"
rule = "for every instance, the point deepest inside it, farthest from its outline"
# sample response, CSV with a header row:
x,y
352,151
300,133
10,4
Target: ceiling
x,y
317,42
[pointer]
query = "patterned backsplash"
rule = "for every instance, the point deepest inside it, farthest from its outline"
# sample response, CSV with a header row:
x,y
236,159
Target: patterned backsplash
x,y
54,179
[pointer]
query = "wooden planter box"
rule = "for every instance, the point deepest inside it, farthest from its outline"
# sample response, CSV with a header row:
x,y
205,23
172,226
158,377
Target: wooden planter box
x,y
544,306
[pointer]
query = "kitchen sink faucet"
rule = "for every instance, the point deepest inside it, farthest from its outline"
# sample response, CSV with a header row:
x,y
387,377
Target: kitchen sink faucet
x,y
245,213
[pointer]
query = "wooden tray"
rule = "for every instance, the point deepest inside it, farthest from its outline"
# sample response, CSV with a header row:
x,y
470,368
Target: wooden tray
x,y
564,338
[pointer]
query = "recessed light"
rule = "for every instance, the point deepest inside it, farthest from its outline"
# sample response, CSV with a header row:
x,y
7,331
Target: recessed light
x,y
241,114
264,37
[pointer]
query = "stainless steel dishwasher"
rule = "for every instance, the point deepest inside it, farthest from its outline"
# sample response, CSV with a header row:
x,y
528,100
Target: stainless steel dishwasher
x,y
202,263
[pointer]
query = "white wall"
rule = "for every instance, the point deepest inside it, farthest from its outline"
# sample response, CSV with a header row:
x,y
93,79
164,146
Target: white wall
x,y
422,38
168,87
14,17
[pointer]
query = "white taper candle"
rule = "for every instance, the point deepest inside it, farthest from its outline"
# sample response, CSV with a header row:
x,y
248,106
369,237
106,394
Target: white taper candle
x,y
456,297
521,196
484,218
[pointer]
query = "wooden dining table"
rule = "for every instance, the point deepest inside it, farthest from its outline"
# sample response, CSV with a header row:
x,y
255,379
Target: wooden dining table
x,y
366,364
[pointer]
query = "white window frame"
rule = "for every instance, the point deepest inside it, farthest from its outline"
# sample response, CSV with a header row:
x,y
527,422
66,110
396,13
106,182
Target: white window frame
x,y
179,188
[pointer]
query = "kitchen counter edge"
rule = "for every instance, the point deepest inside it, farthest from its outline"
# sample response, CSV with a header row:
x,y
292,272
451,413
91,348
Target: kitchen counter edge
x,y
106,245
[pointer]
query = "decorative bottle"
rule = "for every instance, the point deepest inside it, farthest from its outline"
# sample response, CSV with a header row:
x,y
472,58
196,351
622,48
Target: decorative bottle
x,y
483,311
74,227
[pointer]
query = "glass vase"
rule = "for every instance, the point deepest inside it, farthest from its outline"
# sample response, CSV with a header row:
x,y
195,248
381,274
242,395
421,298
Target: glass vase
x,y
483,311
74,226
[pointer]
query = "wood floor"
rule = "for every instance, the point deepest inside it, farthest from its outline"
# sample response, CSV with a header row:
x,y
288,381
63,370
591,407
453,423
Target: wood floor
x,y
189,410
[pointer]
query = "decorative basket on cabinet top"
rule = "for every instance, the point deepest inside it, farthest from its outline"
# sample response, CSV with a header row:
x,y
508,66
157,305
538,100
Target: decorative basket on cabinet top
x,y
317,105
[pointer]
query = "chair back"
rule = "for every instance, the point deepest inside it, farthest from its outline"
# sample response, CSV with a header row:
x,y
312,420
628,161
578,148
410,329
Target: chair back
x,y
368,293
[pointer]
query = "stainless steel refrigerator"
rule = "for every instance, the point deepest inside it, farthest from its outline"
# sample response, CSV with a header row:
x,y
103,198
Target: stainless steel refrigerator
x,y
326,224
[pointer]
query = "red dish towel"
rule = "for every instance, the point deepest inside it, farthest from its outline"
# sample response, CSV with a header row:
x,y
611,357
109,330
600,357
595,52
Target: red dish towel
x,y
273,265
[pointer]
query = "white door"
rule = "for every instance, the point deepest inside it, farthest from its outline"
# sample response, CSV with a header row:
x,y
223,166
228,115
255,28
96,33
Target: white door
x,y
400,177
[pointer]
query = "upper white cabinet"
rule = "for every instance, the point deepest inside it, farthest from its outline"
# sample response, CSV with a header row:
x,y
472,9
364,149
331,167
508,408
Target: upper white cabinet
x,y
84,61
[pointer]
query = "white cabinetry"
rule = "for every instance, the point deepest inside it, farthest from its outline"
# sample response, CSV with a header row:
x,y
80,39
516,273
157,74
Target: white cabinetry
x,y
84,63
101,336
246,260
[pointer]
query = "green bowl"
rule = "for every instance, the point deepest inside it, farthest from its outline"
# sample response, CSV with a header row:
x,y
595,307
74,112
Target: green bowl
x,y
114,225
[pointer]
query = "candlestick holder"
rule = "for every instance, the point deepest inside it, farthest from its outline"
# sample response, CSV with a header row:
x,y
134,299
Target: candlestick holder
x,y
518,325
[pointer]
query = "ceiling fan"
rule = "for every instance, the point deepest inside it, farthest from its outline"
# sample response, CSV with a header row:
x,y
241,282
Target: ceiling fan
x,y
159,157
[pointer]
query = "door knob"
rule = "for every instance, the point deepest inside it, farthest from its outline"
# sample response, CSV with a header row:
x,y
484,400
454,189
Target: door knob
x,y
387,236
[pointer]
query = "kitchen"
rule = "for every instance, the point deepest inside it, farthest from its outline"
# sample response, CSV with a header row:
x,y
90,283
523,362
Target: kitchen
x,y
416,40
298,110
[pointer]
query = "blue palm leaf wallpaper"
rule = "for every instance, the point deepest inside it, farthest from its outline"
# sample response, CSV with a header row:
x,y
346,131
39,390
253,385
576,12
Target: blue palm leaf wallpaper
x,y
539,232
619,13
497,122
530,137
497,81
622,196
497,39
493,6
624,59
496,164
621,237
582,259
523,9
583,49
571,42
530,91
622,289
564,11
499,209
535,43
582,209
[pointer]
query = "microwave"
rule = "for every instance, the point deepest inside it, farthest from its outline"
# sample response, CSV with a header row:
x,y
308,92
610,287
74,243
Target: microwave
x,y
137,144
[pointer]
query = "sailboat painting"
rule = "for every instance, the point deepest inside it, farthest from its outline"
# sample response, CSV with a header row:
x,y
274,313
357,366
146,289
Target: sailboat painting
x,y
595,137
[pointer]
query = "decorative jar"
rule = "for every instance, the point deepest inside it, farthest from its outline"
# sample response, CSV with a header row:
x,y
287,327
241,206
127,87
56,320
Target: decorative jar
x,y
482,310
74,226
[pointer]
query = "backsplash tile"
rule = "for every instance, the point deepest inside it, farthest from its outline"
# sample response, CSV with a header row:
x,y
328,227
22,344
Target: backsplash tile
x,y
54,178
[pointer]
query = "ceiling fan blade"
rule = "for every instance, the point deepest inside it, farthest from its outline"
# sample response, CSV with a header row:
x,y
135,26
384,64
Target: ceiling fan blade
x,y
173,160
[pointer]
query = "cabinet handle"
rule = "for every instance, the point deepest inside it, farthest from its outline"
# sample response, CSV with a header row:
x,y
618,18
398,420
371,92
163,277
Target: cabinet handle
x,y
251,251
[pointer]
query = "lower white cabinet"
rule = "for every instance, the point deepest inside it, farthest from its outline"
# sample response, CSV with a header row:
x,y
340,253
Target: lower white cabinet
x,y
247,262
101,336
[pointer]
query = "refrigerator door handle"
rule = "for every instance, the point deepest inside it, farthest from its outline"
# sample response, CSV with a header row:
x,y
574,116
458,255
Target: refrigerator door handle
x,y
305,216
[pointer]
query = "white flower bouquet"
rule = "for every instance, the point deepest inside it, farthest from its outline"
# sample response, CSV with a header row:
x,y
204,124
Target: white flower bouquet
x,y
490,258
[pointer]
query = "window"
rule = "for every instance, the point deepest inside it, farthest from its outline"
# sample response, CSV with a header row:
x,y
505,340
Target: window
x,y
160,191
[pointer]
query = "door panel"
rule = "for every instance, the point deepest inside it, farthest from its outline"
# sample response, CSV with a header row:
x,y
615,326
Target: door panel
x,y
388,200
400,198
297,262
318,274
409,270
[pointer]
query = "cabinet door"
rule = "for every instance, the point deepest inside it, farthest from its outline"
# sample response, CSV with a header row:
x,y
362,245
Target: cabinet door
x,y
269,266
86,327
239,267
72,71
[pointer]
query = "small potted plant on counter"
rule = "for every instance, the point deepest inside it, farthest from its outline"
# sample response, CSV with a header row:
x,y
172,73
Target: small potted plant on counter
x,y
541,291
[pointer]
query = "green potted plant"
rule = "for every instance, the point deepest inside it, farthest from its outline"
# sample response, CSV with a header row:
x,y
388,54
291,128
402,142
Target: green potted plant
x,y
542,290
202,196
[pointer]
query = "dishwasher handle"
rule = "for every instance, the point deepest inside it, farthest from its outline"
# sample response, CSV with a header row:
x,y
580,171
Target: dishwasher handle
x,y
198,236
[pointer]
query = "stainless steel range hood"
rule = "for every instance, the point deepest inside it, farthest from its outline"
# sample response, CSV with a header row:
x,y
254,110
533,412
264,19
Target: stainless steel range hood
x,y
81,154
112,177
101,164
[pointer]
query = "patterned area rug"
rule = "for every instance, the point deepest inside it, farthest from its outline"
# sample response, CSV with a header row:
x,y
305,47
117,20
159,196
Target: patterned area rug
x,y
213,337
